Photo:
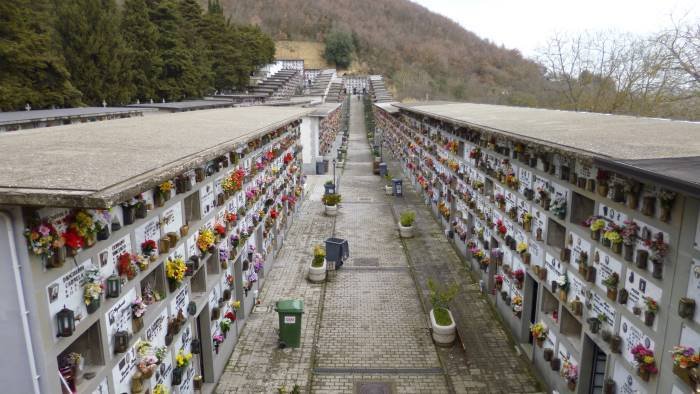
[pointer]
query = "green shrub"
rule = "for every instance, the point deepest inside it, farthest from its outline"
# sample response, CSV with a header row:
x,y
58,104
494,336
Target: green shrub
x,y
319,256
442,317
407,218
440,296
331,199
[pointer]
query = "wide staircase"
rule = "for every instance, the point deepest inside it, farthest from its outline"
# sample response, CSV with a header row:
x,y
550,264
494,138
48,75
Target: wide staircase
x,y
279,86
320,85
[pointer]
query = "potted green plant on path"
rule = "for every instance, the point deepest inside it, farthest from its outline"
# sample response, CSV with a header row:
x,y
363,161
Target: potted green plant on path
x,y
388,188
317,269
441,320
330,202
406,224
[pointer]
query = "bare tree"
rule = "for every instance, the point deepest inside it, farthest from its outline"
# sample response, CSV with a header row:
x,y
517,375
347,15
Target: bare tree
x,y
683,45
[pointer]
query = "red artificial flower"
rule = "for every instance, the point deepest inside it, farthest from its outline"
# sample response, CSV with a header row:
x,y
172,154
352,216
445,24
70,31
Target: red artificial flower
x,y
230,315
73,240
148,246
220,229
124,264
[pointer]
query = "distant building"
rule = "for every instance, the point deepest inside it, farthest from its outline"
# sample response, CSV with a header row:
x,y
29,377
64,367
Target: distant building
x,y
22,120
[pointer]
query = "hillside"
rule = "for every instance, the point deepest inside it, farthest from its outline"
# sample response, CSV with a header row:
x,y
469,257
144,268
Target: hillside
x,y
421,53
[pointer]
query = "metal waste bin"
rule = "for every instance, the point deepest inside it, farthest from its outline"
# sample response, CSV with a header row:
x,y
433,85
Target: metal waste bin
x,y
382,169
329,188
337,251
320,167
290,312
398,187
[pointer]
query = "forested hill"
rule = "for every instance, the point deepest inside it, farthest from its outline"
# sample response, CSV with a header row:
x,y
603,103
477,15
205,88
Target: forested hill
x,y
422,53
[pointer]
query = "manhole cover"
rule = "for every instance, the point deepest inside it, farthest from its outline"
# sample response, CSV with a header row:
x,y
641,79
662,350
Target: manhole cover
x,y
365,262
373,388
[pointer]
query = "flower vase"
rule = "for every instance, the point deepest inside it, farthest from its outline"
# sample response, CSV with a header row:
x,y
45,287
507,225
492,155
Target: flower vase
x,y
617,247
571,385
128,214
686,308
648,205
595,235
164,245
94,305
615,344
542,274
538,234
642,256
540,342
141,210
602,189
562,296
590,274
57,258
103,233
649,318
184,230
632,201
136,324
612,293
590,185
657,269
643,374
581,182
629,252
555,364
158,199
606,242
665,215
622,296
177,376
684,375
547,354
173,285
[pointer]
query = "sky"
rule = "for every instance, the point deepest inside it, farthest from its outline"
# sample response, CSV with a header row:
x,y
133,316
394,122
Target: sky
x,y
526,24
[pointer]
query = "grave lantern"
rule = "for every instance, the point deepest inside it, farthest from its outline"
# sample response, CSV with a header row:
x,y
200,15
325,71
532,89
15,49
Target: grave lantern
x,y
114,286
192,308
121,341
196,346
66,322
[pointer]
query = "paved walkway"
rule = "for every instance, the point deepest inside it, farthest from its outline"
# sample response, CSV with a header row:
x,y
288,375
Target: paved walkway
x,y
368,323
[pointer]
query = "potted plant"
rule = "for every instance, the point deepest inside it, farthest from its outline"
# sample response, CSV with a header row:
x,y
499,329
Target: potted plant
x,y
317,269
611,284
539,332
175,269
685,359
44,240
596,224
182,360
149,248
558,207
645,361
569,372
138,309
652,308
406,224
441,319
629,238
388,188
92,289
330,203
657,253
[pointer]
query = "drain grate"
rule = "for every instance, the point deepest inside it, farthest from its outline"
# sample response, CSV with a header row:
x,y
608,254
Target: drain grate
x,y
373,388
365,262
365,199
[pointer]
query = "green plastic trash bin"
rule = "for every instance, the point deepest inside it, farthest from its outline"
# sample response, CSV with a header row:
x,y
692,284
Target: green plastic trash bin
x,y
290,312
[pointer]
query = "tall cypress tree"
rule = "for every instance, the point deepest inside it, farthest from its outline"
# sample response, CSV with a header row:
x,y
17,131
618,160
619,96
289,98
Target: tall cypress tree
x,y
143,55
94,50
32,67
192,28
177,78
228,62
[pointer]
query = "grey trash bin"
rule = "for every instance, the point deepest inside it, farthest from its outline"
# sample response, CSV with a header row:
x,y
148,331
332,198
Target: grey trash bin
x,y
320,170
382,169
398,187
337,251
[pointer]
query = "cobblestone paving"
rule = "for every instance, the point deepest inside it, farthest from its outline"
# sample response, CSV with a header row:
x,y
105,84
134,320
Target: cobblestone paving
x,y
372,317
368,322
257,365
489,363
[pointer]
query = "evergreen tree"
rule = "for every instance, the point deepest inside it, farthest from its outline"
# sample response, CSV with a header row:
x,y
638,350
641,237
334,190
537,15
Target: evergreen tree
x,y
143,55
177,78
339,48
192,28
32,68
226,56
94,50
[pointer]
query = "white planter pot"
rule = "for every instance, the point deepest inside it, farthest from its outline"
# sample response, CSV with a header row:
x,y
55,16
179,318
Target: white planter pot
x,y
389,190
443,335
405,232
317,274
331,210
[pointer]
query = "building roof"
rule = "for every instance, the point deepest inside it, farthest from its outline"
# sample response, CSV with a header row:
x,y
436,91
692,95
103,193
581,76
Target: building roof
x,y
185,105
98,165
324,110
666,150
38,115
612,136
388,106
